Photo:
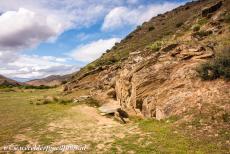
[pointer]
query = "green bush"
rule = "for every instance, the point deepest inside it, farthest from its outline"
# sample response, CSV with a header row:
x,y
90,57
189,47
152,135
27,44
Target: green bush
x,y
203,33
216,68
226,117
227,17
151,28
196,27
202,21
6,86
65,101
179,24
156,46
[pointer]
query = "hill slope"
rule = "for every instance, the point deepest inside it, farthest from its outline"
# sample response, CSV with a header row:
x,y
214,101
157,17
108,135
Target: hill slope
x,y
52,80
175,65
4,81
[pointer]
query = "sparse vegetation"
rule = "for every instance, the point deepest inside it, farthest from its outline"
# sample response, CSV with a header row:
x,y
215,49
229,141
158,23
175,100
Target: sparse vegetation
x,y
179,24
226,117
57,100
91,102
26,87
202,21
156,46
160,137
151,28
196,28
218,67
227,17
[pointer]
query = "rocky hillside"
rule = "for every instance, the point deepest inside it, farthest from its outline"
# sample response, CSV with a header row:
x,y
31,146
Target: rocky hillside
x,y
52,80
4,81
175,65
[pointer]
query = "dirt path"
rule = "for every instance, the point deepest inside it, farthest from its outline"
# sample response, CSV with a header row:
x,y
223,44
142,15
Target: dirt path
x,y
84,125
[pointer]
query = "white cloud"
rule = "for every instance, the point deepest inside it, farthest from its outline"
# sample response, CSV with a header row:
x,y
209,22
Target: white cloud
x,y
75,13
24,28
27,23
30,67
93,50
122,16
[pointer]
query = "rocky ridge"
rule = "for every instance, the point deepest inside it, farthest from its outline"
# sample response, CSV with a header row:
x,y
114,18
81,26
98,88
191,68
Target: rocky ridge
x,y
163,82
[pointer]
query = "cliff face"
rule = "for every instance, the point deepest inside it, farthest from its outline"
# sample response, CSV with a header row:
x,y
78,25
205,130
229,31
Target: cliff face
x,y
159,78
162,85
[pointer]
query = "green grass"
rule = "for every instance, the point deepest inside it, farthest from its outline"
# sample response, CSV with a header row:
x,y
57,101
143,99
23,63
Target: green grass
x,y
196,27
161,137
156,46
18,115
26,87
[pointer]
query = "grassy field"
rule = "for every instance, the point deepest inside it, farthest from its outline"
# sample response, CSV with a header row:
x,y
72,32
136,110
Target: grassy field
x,y
22,122
19,114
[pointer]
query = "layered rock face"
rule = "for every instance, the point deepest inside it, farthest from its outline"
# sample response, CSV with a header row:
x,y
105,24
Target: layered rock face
x,y
163,83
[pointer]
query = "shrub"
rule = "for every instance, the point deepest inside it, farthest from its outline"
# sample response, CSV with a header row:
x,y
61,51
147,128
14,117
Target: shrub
x,y
218,67
92,102
156,46
203,33
208,71
64,82
227,17
202,21
151,28
226,117
179,24
196,28
65,101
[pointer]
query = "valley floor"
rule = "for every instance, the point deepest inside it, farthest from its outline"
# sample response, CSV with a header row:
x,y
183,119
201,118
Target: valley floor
x,y
25,122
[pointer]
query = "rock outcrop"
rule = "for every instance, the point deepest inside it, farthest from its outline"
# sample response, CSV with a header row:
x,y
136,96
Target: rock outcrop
x,y
160,84
213,8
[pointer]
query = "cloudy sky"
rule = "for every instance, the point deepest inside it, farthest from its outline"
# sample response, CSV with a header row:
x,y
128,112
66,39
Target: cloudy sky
x,y
39,38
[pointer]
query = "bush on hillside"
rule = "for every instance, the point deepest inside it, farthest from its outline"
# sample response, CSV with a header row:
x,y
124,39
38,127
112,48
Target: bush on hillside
x,y
203,33
196,28
227,18
151,28
156,46
216,68
202,21
179,24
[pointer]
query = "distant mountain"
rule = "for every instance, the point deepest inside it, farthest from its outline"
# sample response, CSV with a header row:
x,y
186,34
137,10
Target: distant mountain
x,y
52,80
4,81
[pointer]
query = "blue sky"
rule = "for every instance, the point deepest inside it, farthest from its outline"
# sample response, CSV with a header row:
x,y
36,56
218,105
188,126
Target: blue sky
x,y
41,38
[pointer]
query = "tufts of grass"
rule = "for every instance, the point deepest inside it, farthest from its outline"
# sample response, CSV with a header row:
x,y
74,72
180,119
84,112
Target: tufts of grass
x,y
196,27
91,102
203,33
159,137
216,68
156,46
227,17
202,21
57,100
179,24
226,117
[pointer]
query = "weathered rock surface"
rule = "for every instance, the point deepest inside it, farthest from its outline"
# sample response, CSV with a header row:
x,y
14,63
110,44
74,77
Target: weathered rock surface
x,y
213,8
109,108
163,83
